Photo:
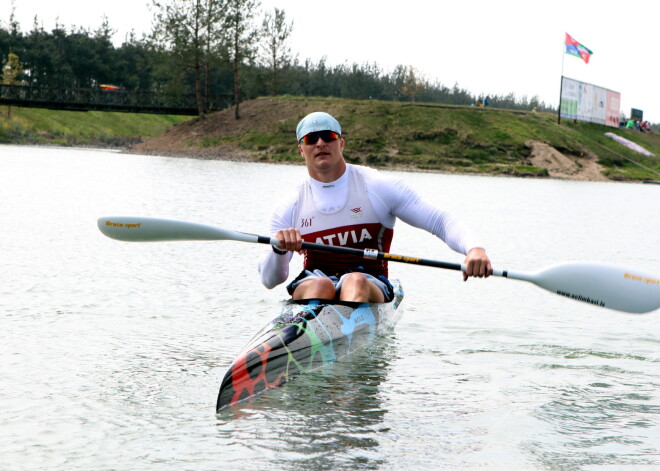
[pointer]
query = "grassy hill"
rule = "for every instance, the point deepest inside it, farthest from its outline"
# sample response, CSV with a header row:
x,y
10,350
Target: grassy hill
x,y
386,134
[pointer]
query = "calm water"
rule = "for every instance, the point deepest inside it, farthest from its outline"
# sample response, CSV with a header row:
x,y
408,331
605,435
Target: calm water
x,y
111,353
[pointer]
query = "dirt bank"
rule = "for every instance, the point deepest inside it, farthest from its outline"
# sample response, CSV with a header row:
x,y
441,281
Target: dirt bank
x,y
185,139
562,166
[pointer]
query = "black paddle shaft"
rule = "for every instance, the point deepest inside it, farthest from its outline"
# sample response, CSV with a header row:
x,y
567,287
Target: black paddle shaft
x,y
373,254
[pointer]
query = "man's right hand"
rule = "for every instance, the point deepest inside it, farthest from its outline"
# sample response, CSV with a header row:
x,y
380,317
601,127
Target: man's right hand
x,y
290,239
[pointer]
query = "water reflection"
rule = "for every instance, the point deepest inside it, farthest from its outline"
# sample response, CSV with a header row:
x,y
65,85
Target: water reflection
x,y
330,418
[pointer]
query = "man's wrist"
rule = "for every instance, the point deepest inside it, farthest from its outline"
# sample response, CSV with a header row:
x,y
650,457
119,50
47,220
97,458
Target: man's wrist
x,y
278,251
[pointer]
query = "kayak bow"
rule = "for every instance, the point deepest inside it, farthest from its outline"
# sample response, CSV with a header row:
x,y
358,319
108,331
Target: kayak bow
x,y
307,335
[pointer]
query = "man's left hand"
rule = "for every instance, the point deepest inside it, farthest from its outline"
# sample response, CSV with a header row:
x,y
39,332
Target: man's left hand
x,y
477,264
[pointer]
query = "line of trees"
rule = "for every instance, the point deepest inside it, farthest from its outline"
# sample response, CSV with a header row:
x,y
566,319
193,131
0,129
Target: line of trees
x,y
212,48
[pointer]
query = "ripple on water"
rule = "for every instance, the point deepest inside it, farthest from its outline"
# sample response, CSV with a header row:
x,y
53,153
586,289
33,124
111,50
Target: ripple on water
x,y
112,353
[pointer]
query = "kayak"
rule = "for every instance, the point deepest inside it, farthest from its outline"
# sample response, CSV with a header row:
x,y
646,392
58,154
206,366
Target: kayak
x,y
307,335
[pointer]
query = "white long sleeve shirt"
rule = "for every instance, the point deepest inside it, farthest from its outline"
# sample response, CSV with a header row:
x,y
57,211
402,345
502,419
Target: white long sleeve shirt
x,y
390,198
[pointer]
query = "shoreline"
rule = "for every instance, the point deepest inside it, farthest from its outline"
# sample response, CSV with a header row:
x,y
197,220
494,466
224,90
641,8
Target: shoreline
x,y
429,139
236,155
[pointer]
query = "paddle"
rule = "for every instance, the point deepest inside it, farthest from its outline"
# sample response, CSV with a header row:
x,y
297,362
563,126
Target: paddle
x,y
598,284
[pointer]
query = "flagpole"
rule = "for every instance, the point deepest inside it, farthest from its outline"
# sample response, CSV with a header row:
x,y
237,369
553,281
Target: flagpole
x,y
561,83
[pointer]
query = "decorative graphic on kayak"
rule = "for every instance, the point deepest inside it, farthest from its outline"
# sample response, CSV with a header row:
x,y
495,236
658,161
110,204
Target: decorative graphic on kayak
x,y
307,335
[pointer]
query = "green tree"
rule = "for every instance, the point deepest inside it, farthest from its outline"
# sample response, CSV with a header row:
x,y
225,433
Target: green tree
x,y
135,62
241,36
14,26
40,57
276,51
190,31
202,45
178,29
214,43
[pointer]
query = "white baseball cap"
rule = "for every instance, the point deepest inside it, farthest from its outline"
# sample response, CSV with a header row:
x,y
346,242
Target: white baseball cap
x,y
317,121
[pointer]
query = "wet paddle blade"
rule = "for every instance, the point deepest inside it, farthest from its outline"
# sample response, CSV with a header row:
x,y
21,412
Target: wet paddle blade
x,y
142,229
622,289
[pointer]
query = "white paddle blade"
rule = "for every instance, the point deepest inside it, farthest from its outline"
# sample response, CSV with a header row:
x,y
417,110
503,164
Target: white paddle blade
x,y
141,229
613,287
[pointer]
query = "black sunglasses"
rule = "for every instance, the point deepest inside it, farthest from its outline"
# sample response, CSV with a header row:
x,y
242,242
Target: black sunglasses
x,y
313,137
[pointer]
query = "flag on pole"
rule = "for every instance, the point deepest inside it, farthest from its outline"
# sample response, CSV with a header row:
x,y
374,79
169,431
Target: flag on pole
x,y
574,48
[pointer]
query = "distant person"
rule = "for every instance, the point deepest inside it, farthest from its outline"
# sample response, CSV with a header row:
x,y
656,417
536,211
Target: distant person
x,y
486,101
630,124
353,206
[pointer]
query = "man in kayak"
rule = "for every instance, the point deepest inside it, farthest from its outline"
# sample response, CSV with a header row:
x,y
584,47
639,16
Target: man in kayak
x,y
353,206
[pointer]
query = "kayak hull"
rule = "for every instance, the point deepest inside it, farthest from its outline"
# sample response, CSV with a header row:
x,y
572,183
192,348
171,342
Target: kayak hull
x,y
307,335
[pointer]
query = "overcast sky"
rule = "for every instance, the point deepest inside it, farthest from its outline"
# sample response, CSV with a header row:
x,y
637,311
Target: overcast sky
x,y
489,47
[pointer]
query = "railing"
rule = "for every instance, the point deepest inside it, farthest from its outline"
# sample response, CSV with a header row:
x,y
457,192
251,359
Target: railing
x,y
87,99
